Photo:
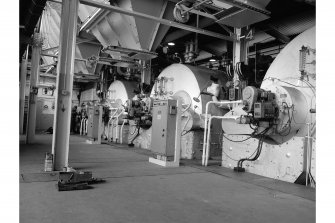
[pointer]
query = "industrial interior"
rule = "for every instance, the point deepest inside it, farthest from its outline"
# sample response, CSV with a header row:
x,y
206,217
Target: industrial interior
x,y
167,111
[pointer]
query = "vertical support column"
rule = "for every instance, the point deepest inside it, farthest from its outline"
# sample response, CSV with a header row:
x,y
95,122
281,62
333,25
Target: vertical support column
x,y
65,69
35,70
239,56
23,77
240,45
236,52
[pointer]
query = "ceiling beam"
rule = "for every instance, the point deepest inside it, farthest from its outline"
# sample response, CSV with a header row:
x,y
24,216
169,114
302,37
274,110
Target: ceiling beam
x,y
204,22
273,31
153,18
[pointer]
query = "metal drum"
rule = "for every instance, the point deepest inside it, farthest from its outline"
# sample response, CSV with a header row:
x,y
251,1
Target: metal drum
x,y
120,91
185,82
283,79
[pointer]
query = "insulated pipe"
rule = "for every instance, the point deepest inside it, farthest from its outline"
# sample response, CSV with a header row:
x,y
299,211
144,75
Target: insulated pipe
x,y
108,124
23,77
205,128
65,71
86,126
81,127
121,131
188,119
117,126
35,69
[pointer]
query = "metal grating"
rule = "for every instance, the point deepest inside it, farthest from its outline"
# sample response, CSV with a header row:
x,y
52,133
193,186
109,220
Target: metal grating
x,y
242,18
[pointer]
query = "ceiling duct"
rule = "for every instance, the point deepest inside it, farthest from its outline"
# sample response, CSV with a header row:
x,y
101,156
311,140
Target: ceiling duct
x,y
50,31
117,29
147,29
114,28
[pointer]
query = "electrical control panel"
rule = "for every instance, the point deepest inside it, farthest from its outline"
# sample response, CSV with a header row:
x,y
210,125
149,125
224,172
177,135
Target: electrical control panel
x,y
264,110
164,127
94,116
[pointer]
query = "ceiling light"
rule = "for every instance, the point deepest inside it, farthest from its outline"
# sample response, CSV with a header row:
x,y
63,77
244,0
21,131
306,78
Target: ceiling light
x,y
212,60
171,44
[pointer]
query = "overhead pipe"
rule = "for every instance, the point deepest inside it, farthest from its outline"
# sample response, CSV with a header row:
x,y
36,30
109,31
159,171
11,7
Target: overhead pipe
x,y
194,6
204,146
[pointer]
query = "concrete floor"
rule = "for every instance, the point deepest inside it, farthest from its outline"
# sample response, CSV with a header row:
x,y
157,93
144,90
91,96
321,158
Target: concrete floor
x,y
138,191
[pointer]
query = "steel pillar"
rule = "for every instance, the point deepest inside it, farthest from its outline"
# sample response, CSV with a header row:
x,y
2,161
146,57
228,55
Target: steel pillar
x,y
23,77
239,48
35,70
65,70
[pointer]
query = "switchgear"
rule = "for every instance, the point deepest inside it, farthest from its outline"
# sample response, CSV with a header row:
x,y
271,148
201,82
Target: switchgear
x,y
94,119
164,128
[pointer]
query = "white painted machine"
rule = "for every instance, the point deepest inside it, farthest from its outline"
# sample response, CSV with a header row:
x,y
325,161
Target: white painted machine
x,y
273,132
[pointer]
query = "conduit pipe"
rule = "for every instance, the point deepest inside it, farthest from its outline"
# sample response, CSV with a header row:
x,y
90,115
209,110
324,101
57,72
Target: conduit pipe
x,y
188,117
204,147
83,126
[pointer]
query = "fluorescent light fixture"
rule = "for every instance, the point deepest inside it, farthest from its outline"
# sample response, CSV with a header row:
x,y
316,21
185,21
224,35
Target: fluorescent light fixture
x,y
171,44
212,60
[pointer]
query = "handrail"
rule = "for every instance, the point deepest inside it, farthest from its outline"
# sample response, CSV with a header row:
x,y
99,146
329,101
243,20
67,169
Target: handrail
x,y
204,146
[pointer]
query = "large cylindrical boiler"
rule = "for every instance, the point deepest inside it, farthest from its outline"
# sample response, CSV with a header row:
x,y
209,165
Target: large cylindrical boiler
x,y
285,71
120,91
186,82
284,79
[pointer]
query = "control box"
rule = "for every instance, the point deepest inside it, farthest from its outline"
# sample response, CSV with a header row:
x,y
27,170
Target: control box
x,y
164,127
264,110
93,122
